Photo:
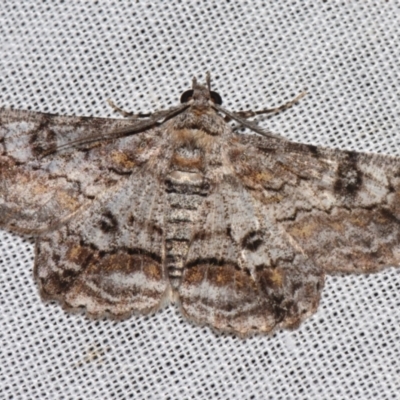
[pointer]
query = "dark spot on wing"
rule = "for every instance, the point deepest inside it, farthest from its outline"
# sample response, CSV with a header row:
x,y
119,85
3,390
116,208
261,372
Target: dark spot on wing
x,y
312,149
252,241
349,177
108,222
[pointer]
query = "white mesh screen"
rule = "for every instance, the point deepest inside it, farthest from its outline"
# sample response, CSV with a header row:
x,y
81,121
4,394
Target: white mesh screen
x,y
70,57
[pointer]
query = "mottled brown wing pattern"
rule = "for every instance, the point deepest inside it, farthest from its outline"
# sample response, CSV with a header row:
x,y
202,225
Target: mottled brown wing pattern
x,y
341,207
110,259
243,273
41,187
96,211
288,214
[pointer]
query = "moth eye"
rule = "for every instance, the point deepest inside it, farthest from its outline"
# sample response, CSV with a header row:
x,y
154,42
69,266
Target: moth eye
x,y
186,96
216,98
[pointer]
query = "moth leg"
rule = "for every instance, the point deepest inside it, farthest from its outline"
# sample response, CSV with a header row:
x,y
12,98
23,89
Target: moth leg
x,y
250,113
127,114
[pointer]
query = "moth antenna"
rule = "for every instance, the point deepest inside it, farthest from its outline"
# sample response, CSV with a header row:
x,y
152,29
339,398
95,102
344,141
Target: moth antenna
x,y
194,82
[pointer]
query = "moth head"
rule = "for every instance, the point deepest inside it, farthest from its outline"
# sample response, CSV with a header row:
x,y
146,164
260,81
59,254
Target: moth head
x,y
200,93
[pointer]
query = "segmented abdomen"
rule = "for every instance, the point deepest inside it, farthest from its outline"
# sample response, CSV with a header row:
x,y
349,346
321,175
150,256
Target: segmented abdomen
x,y
186,189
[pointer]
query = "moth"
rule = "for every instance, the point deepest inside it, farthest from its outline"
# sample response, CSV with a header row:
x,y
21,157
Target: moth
x,y
238,230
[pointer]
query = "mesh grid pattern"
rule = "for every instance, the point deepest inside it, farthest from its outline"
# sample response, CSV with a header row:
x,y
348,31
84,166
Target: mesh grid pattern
x,y
69,57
